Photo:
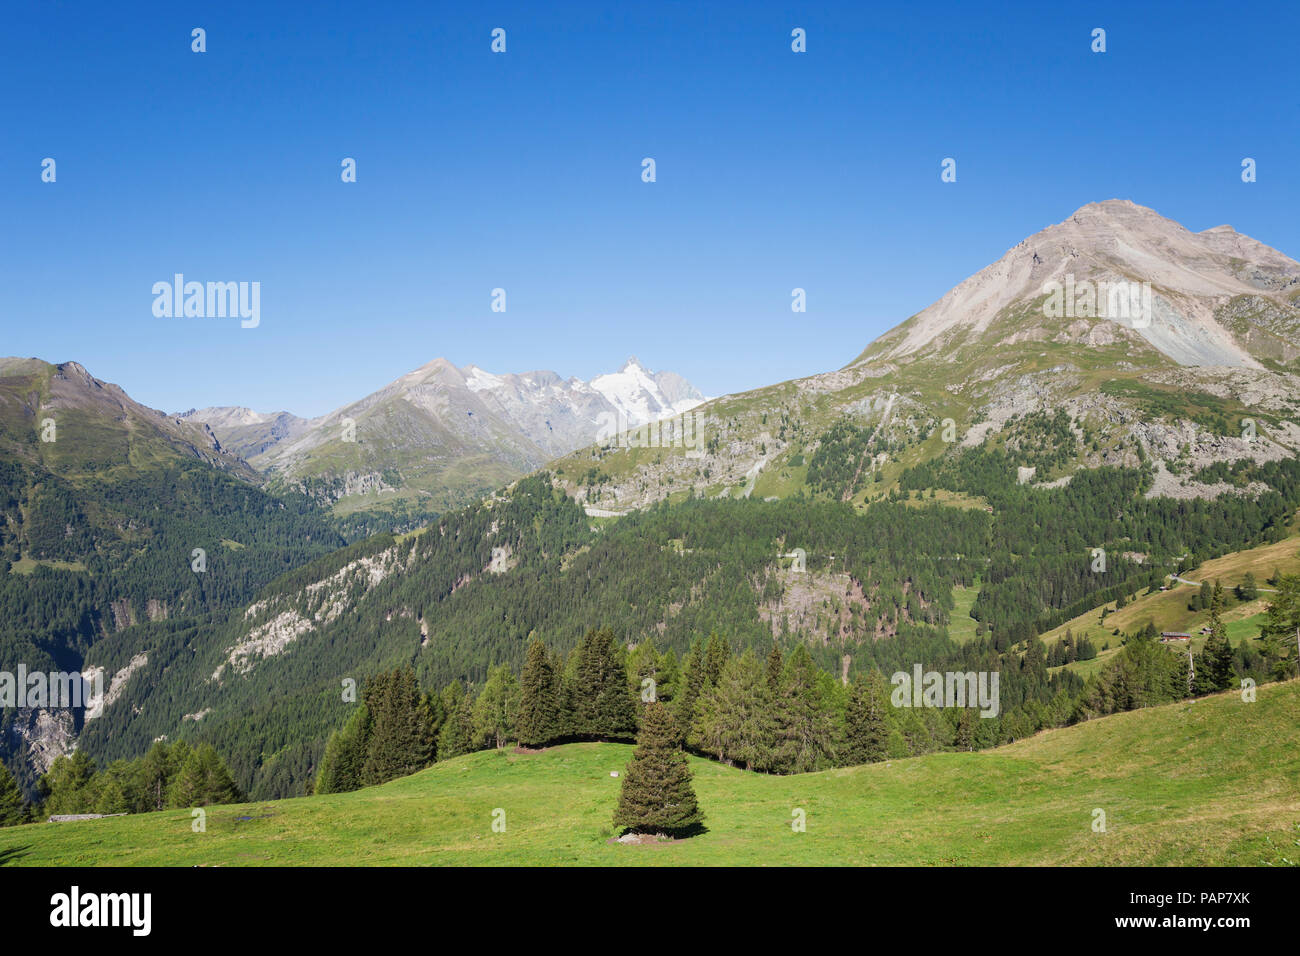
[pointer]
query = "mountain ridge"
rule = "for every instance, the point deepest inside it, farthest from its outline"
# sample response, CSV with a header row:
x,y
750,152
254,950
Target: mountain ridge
x,y
1217,339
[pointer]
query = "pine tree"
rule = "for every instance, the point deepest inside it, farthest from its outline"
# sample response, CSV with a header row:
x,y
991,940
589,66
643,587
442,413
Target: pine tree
x,y
866,724
345,752
13,809
605,705
538,720
656,795
401,728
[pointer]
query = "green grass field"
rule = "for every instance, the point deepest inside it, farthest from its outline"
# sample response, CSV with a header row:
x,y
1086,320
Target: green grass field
x,y
1214,781
962,626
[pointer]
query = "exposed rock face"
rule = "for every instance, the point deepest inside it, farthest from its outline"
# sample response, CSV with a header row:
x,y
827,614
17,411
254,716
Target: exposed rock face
x,y
95,677
274,624
44,735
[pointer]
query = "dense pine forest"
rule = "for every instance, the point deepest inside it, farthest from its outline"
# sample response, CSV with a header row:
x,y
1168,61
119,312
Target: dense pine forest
x,y
84,562
699,596
469,595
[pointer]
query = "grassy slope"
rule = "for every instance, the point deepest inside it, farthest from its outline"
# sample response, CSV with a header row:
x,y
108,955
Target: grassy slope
x,y
1216,781
1168,609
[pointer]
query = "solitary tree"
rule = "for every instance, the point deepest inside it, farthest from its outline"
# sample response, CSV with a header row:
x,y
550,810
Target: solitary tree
x,y
657,796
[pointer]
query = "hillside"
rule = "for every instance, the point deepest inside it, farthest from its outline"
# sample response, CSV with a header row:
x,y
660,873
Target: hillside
x,y
1212,781
118,524
1167,608
98,430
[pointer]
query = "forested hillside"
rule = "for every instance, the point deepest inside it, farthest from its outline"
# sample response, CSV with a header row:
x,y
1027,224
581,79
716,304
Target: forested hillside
x,y
88,566
876,593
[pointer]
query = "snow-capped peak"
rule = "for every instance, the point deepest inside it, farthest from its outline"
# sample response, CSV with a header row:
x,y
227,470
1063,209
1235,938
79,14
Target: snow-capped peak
x,y
637,395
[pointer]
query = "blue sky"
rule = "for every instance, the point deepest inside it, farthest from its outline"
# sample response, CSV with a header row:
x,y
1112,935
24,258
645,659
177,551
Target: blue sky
x,y
522,171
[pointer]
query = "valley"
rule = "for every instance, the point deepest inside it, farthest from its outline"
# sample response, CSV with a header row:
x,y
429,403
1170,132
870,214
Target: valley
x,y
991,487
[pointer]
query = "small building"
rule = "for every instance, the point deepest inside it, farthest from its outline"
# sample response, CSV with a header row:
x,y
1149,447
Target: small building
x,y
1167,637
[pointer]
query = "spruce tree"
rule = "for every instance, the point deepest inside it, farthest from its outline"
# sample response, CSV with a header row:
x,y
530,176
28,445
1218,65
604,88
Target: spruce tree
x,y
401,728
605,705
13,809
669,677
69,785
806,729
775,664
866,722
656,795
565,712
345,752
692,683
736,719
1214,663
1281,626
538,719
457,735
715,658
111,798
202,780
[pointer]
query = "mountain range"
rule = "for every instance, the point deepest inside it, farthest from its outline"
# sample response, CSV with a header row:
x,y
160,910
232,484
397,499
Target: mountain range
x,y
443,435
1010,393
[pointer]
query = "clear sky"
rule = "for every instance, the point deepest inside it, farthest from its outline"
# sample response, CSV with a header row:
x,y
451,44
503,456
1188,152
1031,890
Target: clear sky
x,y
522,171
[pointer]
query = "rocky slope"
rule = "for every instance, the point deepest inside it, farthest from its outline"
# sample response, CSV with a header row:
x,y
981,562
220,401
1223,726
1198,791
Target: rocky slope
x,y
1163,344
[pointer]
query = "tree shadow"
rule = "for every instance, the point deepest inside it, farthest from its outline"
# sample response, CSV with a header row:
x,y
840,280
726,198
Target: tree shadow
x,y
13,854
